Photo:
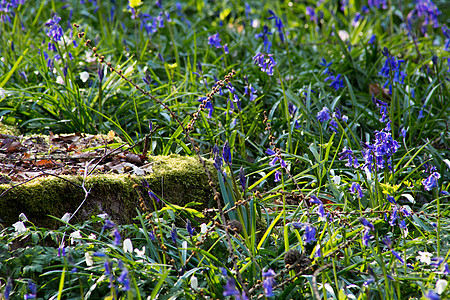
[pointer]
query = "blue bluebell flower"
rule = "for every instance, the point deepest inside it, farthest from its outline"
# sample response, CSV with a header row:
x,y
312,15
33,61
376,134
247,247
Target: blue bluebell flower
x,y
230,288
278,24
369,281
268,282
242,178
336,81
173,234
432,295
309,11
266,64
310,234
33,290
124,280
428,10
117,237
372,39
391,199
251,92
432,181
277,176
214,40
8,289
108,225
265,32
323,115
327,66
189,228
355,187
152,236
377,3
226,153
347,153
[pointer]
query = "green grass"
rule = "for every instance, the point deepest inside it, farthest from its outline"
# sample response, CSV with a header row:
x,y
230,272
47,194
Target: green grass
x,y
42,90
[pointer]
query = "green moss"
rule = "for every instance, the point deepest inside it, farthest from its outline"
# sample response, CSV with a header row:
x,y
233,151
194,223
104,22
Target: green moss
x,y
9,130
179,180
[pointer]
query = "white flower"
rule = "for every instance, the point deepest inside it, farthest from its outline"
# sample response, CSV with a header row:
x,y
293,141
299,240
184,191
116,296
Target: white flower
x,y
59,80
75,237
66,217
23,217
127,246
441,284
140,253
425,257
184,245
19,227
84,76
2,93
103,216
203,228
88,257
194,282
337,179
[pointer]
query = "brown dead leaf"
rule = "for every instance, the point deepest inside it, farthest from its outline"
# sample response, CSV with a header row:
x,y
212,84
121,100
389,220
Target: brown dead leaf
x,y
45,163
376,91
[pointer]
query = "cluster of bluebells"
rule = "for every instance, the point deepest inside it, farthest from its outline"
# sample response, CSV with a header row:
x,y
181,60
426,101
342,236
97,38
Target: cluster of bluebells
x,y
268,282
215,41
7,9
276,156
264,36
427,10
150,23
396,208
325,115
313,16
377,4
278,24
379,153
431,181
368,227
390,68
310,232
292,111
266,62
219,159
348,154
337,82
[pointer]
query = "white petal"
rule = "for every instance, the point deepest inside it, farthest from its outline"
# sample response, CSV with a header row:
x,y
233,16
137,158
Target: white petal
x,y
203,228
127,246
66,217
84,76
19,227
23,217
441,284
88,257
194,283
59,80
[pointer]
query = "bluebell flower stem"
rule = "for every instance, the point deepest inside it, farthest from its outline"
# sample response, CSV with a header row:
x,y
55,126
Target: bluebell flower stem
x,y
286,110
438,229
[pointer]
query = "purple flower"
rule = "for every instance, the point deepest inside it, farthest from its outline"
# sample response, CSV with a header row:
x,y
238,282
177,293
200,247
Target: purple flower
x,y
124,279
266,64
189,228
347,153
109,225
230,288
263,35
226,153
397,256
33,290
242,178
214,40
372,39
310,234
117,237
278,24
366,237
268,282
432,181
336,81
173,234
323,115
53,29
355,187
326,65
391,199
369,281
8,289
366,223
152,235
432,295
277,176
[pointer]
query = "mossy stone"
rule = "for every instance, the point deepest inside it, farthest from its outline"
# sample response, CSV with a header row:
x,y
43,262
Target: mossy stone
x,y
177,179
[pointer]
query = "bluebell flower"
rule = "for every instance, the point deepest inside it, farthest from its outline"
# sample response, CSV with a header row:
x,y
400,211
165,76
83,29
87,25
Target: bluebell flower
x,y
226,153
355,187
278,24
117,237
242,178
377,3
428,10
53,29
8,289
277,176
366,223
369,281
310,234
33,290
387,241
124,279
173,234
366,237
326,65
263,35
432,295
372,39
266,64
152,236
108,225
347,153
214,40
393,216
189,228
268,282
309,11
402,224
432,181
336,81
323,115
391,199
230,288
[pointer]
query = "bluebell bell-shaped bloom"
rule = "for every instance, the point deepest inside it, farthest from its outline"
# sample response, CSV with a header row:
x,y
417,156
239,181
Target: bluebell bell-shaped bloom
x,y
432,181
230,288
369,281
8,289
327,66
397,256
173,234
226,153
109,225
265,62
432,295
366,223
33,290
242,178
152,236
53,29
355,187
323,115
124,279
402,224
265,32
214,40
366,237
189,228
347,153
117,238
310,234
268,282
309,11
278,24
394,216
336,81
387,241
277,176
372,39
391,199
250,91
428,10
292,108
377,3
